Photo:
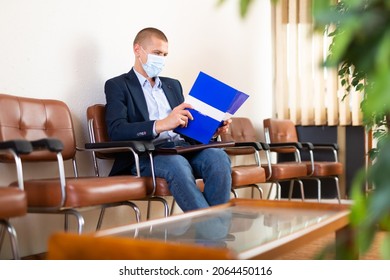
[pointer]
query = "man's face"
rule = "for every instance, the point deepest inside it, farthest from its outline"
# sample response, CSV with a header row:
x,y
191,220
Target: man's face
x,y
153,46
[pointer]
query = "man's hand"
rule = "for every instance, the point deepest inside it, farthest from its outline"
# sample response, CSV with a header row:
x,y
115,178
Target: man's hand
x,y
178,117
224,128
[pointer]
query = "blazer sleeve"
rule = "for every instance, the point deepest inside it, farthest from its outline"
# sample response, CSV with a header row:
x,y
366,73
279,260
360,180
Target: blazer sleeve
x,y
123,117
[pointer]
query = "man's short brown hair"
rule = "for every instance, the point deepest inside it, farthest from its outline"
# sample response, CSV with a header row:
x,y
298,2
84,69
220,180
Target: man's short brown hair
x,y
147,33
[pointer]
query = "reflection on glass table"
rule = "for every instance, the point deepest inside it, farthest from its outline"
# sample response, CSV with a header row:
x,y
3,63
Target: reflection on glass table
x,y
249,228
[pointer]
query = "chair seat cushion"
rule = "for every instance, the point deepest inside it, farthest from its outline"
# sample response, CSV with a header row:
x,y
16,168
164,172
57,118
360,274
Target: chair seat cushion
x,y
286,170
247,175
85,191
13,202
161,187
324,168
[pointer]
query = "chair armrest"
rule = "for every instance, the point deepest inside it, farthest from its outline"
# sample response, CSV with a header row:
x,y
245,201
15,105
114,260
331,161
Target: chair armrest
x,y
279,147
265,146
117,146
329,147
332,146
256,145
307,145
20,147
297,145
51,144
16,148
241,149
288,148
244,148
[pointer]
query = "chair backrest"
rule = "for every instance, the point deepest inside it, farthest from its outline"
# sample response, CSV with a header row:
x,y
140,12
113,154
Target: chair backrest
x,y
33,119
97,124
280,131
240,130
97,129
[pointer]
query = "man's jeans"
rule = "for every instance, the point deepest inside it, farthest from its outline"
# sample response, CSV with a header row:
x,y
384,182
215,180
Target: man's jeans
x,y
180,171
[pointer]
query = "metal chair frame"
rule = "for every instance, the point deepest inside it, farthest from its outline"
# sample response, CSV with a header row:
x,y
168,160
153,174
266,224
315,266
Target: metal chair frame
x,y
310,147
15,148
120,148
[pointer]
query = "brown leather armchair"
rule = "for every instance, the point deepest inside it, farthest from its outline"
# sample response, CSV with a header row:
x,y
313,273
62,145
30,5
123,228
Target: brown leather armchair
x,y
157,188
242,131
281,131
48,125
245,175
13,202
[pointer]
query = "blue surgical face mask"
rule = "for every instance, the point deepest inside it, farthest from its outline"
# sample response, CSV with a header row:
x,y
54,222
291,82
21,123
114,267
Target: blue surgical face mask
x,y
154,64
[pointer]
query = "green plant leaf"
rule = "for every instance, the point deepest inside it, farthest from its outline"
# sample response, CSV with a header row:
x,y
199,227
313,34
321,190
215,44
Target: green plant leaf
x,y
359,207
342,41
244,7
385,248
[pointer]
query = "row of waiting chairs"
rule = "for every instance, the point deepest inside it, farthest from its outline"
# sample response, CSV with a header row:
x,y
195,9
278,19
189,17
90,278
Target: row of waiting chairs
x,y
282,139
47,128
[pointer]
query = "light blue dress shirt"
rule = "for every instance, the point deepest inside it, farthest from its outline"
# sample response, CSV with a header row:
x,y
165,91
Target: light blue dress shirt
x,y
158,107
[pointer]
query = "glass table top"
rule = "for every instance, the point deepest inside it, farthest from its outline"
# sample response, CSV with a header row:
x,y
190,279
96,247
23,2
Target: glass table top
x,y
238,227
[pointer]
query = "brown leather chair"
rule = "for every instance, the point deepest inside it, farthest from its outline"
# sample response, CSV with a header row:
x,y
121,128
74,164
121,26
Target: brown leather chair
x,y
156,189
281,131
13,202
48,125
245,175
242,130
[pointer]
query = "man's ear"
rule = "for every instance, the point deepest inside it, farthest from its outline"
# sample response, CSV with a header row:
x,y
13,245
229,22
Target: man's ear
x,y
137,50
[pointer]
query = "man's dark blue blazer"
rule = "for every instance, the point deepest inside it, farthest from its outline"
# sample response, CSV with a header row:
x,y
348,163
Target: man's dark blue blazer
x,y
127,115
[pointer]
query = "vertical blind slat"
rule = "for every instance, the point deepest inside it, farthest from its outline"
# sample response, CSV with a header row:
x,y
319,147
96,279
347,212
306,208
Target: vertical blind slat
x,y
305,92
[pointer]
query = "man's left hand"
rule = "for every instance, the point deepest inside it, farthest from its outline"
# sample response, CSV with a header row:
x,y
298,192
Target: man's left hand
x,y
224,128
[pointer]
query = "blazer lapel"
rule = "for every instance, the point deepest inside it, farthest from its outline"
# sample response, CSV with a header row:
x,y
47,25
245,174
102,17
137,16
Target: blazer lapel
x,y
170,94
137,94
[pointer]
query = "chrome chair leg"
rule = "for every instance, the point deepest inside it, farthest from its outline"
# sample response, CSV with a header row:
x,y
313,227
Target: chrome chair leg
x,y
302,190
79,217
270,190
13,238
278,190
101,216
234,193
290,190
337,189
160,199
260,190
2,233
127,203
318,189
173,205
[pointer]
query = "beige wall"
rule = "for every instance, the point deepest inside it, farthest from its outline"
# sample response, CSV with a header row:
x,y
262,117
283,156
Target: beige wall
x,y
67,49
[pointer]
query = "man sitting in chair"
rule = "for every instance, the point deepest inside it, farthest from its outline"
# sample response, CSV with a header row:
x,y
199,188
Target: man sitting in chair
x,y
141,105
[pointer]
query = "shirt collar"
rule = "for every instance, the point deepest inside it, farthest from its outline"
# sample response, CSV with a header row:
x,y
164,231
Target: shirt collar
x,y
143,81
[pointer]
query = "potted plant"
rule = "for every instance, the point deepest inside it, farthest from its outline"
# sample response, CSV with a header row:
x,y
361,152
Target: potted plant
x,y
360,49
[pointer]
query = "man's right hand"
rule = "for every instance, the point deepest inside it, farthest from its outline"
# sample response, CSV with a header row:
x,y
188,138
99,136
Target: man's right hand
x,y
178,117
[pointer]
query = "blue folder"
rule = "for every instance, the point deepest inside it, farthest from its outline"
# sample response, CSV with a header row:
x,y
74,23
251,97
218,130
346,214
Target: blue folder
x,y
220,97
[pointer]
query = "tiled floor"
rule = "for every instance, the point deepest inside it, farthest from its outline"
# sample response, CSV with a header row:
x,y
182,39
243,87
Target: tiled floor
x,y
314,248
